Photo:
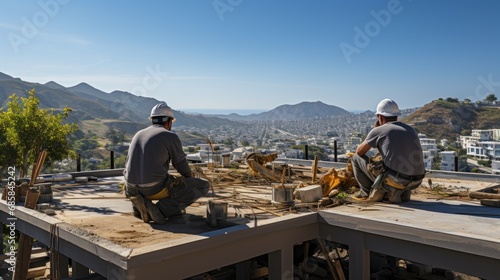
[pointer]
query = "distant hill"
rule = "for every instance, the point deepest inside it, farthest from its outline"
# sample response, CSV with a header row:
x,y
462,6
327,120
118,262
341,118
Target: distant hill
x,y
442,119
94,109
88,103
303,110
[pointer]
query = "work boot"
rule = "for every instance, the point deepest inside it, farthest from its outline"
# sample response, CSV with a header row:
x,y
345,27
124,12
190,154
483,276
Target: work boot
x,y
361,196
136,212
177,213
154,212
406,196
399,196
376,195
140,210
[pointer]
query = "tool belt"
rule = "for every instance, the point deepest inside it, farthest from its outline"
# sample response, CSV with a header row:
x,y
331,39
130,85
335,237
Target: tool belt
x,y
164,193
391,183
402,175
172,182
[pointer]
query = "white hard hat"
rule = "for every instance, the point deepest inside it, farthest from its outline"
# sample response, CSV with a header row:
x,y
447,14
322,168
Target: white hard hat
x,y
162,110
388,108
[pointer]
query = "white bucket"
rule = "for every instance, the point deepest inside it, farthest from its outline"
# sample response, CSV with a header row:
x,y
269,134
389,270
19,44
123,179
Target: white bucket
x,y
311,193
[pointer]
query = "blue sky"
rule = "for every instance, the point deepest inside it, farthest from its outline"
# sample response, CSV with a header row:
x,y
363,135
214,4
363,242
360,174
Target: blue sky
x,y
259,54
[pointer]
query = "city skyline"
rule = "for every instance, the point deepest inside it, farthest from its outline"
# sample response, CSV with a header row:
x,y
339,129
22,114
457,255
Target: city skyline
x,y
255,55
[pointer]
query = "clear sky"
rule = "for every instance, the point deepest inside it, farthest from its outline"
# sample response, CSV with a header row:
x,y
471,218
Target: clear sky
x,y
259,54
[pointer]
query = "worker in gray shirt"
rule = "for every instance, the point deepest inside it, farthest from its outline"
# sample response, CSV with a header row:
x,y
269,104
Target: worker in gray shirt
x,y
401,167
147,177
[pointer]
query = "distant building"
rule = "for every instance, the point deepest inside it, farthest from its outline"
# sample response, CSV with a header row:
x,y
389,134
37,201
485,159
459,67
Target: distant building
x,y
428,144
294,153
241,152
483,134
429,148
495,167
209,154
428,160
448,160
444,142
301,142
352,143
482,143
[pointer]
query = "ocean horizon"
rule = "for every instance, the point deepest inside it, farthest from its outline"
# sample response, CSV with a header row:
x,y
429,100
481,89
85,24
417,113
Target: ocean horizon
x,y
241,112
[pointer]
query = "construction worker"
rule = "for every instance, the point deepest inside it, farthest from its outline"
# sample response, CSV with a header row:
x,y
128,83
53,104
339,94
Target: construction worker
x,y
401,167
151,152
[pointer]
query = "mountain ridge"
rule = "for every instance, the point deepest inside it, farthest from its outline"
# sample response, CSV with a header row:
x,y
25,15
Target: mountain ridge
x,y
302,110
90,102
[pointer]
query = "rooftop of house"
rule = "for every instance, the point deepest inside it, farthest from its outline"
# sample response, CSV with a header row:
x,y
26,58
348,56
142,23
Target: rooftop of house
x,y
97,218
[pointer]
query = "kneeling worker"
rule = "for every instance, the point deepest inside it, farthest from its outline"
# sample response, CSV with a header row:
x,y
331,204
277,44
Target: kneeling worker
x,y
146,172
402,167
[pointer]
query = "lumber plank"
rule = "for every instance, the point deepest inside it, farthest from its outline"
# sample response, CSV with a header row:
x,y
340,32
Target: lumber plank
x,y
481,195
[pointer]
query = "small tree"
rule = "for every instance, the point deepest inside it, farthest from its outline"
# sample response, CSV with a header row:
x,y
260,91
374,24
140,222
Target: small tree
x,y
116,136
29,130
244,143
490,98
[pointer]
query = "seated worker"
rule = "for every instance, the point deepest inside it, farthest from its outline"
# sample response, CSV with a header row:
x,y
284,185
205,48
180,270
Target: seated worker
x,y
402,166
151,152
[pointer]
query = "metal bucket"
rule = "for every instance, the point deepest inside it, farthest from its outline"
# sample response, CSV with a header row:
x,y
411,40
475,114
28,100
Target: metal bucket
x,y
216,211
283,194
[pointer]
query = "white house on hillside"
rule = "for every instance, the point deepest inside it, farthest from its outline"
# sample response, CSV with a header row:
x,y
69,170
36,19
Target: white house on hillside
x,y
482,143
495,167
448,160
428,144
429,148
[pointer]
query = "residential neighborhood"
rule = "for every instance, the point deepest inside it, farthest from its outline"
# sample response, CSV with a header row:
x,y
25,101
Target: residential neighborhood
x,y
335,136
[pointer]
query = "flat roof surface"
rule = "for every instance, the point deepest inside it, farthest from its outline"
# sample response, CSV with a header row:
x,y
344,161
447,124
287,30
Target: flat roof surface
x,y
101,208
96,219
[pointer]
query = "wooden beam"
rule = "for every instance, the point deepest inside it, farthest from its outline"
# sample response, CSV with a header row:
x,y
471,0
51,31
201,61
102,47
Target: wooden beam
x,y
315,169
25,243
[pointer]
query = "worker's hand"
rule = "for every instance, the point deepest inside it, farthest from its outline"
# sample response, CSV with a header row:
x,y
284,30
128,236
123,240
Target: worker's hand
x,y
377,123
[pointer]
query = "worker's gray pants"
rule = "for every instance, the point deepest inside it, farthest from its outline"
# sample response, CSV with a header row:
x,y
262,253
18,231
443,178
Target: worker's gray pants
x,y
180,196
363,175
368,181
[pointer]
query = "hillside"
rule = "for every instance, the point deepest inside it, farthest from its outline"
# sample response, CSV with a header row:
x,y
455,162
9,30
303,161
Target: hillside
x,y
442,119
89,103
303,110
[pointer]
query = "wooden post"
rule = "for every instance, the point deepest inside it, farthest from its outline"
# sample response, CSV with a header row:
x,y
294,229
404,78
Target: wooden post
x,y
78,163
315,168
329,262
335,150
112,159
25,242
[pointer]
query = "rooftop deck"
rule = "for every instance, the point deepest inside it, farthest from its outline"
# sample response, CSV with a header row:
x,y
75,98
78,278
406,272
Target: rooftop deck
x,y
94,227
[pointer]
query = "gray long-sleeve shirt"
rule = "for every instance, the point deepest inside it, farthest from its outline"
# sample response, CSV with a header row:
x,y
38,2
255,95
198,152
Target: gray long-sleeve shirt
x,y
151,151
399,146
